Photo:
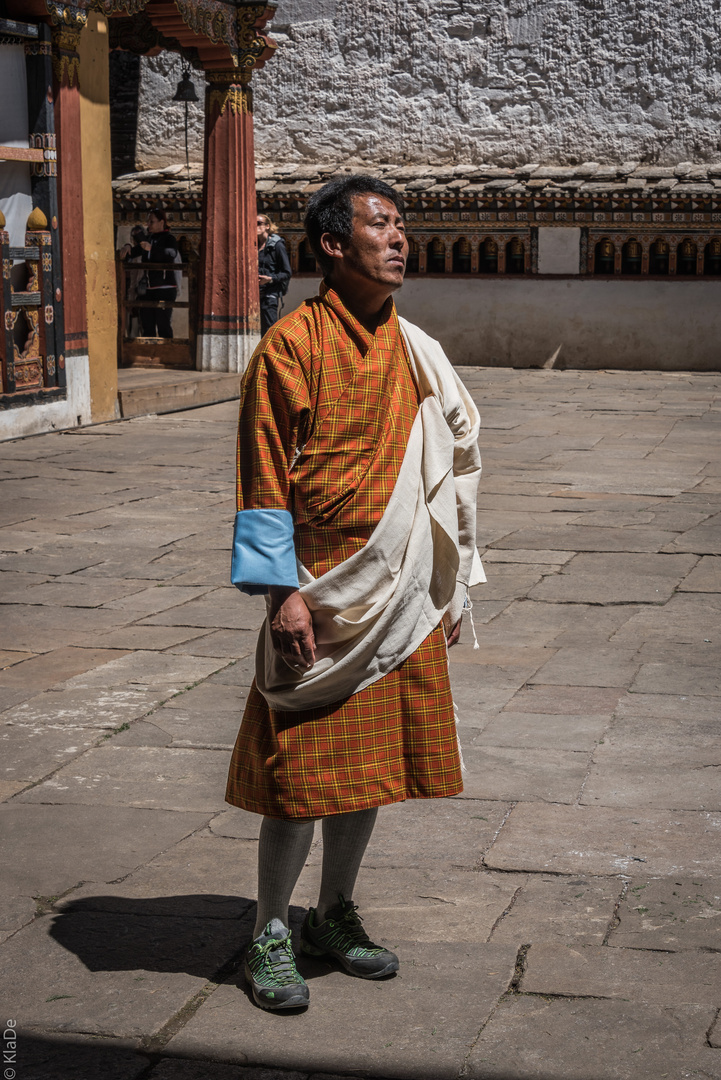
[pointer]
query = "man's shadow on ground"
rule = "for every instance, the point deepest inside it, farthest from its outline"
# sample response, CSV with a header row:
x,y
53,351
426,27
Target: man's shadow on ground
x,y
203,935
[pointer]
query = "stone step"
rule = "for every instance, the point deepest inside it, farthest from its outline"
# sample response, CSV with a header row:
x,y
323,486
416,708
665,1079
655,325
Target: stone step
x,y
147,391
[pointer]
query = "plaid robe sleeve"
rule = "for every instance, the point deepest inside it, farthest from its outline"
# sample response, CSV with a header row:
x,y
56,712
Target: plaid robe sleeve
x,y
274,412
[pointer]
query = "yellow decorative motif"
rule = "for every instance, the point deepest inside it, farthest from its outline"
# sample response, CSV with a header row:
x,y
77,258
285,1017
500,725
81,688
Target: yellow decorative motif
x,y
33,284
31,349
7,269
66,36
37,222
237,98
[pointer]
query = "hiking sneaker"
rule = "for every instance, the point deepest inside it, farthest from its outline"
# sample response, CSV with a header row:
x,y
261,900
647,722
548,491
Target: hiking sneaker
x,y
343,937
270,969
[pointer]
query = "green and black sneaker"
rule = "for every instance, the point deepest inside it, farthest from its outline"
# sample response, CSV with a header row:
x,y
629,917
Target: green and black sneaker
x,y
343,937
270,969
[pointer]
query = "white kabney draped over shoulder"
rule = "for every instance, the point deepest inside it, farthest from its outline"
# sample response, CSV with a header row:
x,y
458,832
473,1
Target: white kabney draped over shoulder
x,y
374,609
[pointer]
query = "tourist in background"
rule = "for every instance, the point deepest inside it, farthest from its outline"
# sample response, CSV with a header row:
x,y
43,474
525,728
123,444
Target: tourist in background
x,y
273,271
160,246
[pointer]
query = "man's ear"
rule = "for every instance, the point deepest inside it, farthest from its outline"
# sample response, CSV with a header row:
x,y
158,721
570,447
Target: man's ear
x,y
331,246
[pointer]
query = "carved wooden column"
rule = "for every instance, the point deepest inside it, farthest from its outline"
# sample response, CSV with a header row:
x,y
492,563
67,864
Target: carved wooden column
x,y
229,303
228,299
68,25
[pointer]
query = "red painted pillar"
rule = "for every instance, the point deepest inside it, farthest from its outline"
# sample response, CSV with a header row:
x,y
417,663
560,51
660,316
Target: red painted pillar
x,y
66,64
229,305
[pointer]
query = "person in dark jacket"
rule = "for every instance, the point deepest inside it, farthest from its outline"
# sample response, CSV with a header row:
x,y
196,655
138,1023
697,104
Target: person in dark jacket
x,y
160,247
273,271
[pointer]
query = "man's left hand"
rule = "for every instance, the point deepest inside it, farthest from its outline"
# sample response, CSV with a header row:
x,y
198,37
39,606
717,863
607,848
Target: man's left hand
x,y
264,279
453,636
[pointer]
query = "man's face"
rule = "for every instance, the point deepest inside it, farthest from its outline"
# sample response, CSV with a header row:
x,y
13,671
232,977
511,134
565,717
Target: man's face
x,y
263,231
378,247
155,225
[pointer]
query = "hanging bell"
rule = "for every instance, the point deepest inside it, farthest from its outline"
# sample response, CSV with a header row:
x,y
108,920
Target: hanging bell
x,y
186,88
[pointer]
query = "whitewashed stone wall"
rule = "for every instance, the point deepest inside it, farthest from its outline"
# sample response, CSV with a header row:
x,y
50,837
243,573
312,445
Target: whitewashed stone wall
x,y
499,81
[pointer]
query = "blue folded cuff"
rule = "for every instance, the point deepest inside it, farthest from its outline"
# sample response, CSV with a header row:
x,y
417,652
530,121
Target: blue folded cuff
x,y
263,551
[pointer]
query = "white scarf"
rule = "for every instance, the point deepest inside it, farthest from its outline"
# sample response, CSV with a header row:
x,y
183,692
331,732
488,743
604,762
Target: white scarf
x,y
374,609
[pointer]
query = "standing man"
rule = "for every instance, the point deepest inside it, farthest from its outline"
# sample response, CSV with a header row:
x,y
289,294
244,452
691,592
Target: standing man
x,y
274,271
358,467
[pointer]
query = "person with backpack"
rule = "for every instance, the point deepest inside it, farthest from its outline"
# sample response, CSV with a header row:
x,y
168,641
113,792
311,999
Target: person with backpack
x,y
273,271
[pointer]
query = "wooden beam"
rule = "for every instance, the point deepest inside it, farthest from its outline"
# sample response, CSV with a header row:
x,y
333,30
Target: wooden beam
x,y
21,153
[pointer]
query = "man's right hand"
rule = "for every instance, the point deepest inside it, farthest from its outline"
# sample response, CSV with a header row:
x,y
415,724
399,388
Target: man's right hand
x,y
291,627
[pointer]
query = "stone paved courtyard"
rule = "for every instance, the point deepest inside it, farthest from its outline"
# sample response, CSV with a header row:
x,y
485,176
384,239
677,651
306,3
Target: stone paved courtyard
x,y
559,921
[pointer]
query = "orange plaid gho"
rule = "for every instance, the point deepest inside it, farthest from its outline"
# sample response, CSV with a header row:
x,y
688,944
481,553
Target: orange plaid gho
x,y
321,384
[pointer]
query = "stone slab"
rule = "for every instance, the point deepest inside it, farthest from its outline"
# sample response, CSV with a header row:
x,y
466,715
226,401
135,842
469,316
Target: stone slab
x,y
151,638
49,849
566,910
152,777
42,672
606,840
524,773
92,593
534,623
703,540
177,1069
30,752
585,537
211,697
229,643
202,877
668,707
236,823
565,700
685,618
678,678
147,670
39,628
603,666
54,1056
85,708
705,576
543,731
425,904
240,673
159,598
654,762
197,728
115,975
532,1038
141,733
665,913
526,555
423,1020
221,609
15,912
430,832
617,578
9,657
657,978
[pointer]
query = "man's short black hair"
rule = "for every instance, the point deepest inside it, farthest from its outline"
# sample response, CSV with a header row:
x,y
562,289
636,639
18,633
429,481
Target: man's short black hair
x,y
330,210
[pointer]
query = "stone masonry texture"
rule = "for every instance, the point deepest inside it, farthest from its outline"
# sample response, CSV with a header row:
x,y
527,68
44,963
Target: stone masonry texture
x,y
560,920
502,81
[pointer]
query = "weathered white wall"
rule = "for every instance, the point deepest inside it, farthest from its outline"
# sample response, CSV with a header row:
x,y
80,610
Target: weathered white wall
x,y
69,412
161,121
499,81
632,325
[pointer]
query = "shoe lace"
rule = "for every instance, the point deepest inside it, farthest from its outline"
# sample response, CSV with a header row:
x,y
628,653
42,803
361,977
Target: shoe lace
x,y
350,924
277,962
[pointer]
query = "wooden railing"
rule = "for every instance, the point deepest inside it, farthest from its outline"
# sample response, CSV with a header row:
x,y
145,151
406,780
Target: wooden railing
x,y
136,350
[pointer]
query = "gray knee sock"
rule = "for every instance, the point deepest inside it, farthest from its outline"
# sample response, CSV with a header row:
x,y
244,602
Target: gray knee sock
x,y
345,838
282,850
